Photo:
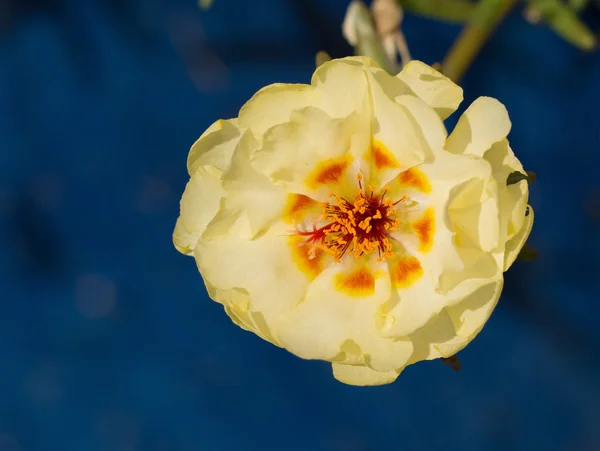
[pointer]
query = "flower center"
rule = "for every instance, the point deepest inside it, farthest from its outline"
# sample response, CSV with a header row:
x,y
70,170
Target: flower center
x,y
359,228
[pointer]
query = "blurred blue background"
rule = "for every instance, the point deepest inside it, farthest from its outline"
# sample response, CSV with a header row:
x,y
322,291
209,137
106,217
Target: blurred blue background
x,y
108,341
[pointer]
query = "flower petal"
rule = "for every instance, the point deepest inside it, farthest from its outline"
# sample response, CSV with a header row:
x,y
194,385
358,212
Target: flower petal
x,y
409,307
515,244
484,123
478,223
236,303
405,132
435,89
251,192
273,105
199,204
361,375
215,147
263,267
342,85
436,339
413,306
458,183
430,127
339,309
312,153
513,198
469,316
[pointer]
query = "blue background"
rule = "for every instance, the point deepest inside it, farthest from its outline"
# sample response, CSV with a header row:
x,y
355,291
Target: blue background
x,y
108,341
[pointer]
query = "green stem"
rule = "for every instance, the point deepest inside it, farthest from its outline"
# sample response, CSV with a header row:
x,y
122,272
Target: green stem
x,y
578,5
487,16
454,11
564,22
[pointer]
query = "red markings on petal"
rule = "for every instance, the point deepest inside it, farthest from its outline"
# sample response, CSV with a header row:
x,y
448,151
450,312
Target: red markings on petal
x,y
414,178
425,229
311,267
329,172
405,271
297,206
359,282
382,157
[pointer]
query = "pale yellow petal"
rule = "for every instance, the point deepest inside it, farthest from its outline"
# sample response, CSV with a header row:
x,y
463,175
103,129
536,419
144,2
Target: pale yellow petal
x,y
409,308
240,319
263,267
215,147
199,205
342,86
312,154
516,243
470,315
236,303
503,161
513,198
449,176
360,375
464,224
513,204
340,306
479,224
484,123
406,132
273,105
412,307
435,89
430,126
436,339
250,191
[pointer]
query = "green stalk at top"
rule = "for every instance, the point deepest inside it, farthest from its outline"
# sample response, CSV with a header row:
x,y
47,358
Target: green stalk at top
x,y
454,11
564,22
485,18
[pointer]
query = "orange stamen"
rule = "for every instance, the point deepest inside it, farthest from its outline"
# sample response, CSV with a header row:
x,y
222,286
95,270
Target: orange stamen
x,y
360,227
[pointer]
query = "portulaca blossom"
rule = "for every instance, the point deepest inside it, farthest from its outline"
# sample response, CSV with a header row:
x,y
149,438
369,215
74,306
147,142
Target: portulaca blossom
x,y
338,220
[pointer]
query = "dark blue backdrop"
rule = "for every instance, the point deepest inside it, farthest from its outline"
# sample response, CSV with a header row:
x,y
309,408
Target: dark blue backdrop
x,y
108,341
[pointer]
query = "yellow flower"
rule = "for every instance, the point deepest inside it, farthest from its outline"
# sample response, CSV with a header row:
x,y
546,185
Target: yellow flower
x,y
338,220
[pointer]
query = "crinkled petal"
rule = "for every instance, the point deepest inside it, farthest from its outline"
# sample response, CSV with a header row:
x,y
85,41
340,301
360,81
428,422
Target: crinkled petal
x,y
273,105
484,123
452,178
312,153
512,198
516,243
503,161
252,192
426,123
410,307
340,309
342,85
470,315
479,224
361,375
263,267
436,339
215,147
236,303
199,204
405,131
435,89
413,307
